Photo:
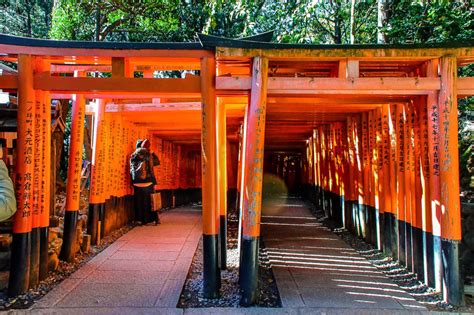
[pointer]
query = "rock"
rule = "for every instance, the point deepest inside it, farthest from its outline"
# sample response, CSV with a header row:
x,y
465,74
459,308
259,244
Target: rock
x,y
53,262
5,261
56,232
55,246
86,243
468,239
5,242
54,221
81,223
52,234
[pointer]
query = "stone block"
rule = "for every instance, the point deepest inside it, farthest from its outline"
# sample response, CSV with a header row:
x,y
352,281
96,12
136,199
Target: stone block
x,y
86,243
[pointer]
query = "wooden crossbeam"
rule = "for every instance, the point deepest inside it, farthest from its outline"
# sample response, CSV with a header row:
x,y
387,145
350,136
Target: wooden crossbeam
x,y
190,85
395,86
376,54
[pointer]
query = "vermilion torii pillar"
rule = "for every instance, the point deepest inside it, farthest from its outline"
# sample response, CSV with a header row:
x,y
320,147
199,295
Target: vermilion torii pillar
x,y
22,221
45,185
210,214
222,181
73,188
253,179
449,182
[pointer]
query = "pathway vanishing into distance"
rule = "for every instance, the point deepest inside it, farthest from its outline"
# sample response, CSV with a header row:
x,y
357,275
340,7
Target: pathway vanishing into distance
x,y
315,269
143,272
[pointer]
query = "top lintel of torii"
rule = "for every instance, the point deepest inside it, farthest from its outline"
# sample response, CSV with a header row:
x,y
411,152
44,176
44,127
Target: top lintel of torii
x,y
225,48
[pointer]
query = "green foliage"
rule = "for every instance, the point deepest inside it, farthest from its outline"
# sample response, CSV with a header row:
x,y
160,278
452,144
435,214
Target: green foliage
x,y
30,18
430,21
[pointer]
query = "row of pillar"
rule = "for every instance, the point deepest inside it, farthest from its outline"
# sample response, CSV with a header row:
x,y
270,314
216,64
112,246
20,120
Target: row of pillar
x,y
29,262
214,181
391,176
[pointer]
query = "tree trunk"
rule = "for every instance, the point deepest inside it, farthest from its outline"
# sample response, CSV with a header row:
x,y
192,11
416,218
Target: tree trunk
x,y
382,19
352,28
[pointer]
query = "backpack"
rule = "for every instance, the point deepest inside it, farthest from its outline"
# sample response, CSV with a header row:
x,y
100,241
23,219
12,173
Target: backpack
x,y
139,167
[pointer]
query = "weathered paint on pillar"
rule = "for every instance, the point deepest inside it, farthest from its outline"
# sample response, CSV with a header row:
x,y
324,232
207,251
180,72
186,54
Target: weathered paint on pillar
x,y
37,178
95,194
395,237
252,192
73,185
210,213
24,172
222,181
45,185
449,182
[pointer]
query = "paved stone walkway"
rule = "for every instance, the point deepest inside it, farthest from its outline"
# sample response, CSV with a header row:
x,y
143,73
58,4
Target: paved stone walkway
x,y
142,272
315,269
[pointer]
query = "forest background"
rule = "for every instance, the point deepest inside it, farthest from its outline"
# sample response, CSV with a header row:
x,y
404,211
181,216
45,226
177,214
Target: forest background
x,y
293,21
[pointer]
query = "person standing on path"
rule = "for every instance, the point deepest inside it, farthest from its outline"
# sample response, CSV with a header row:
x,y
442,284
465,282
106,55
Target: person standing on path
x,y
142,162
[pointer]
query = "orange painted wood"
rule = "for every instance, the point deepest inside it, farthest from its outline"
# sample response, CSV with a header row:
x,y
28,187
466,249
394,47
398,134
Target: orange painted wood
x,y
8,82
189,85
355,85
37,159
209,164
393,159
46,160
401,165
24,168
387,177
145,53
254,150
76,142
449,156
97,167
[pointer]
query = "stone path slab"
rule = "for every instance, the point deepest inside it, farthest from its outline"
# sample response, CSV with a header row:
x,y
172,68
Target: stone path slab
x,y
143,272
316,270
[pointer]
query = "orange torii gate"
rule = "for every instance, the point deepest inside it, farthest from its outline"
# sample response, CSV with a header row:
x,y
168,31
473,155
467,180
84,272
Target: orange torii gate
x,y
377,125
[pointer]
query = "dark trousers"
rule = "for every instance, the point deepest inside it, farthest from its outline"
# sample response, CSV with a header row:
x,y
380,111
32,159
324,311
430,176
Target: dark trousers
x,y
142,204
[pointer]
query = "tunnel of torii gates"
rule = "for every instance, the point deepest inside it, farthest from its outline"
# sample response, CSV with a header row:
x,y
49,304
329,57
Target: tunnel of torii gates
x,y
376,127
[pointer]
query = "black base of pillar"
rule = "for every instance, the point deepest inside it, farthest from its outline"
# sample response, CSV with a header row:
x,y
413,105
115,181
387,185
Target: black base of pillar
x,y
223,242
430,264
249,271
438,264
92,222
34,257
387,233
402,250
44,243
451,278
20,264
348,224
102,210
68,249
394,235
418,263
211,272
409,247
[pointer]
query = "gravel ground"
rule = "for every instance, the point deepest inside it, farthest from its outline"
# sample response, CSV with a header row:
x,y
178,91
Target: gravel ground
x,y
397,273
192,295
64,271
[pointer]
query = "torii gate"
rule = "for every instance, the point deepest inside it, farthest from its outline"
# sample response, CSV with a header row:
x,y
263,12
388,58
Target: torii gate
x,y
377,124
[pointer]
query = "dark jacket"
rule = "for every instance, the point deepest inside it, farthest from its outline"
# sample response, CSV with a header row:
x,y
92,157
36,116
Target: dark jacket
x,y
150,160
